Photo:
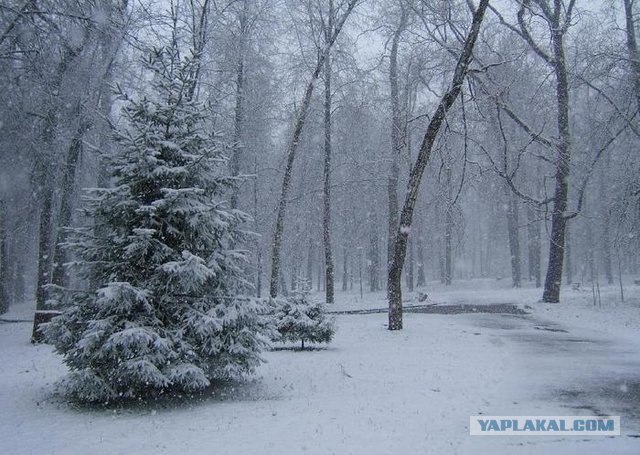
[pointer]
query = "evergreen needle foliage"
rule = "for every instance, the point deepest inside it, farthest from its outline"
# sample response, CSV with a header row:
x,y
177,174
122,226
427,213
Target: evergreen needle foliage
x,y
300,318
163,311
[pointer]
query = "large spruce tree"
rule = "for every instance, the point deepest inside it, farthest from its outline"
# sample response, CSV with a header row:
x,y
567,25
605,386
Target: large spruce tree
x,y
164,308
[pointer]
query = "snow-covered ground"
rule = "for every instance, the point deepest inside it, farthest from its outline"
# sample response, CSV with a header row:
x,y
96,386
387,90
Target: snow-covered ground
x,y
371,391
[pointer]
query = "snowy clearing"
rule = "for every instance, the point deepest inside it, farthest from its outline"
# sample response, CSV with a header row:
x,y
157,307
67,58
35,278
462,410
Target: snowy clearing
x,y
371,391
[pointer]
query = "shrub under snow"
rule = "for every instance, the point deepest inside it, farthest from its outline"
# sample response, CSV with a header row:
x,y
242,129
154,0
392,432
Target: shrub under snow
x,y
300,318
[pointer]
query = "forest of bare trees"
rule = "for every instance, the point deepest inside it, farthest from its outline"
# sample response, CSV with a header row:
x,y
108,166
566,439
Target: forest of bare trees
x,y
378,145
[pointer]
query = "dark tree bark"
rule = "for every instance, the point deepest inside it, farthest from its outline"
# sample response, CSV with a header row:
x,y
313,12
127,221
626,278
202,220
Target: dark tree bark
x,y
558,28
198,38
374,262
310,264
397,130
45,249
59,276
19,288
410,268
590,256
448,232
632,47
256,220
568,243
293,148
513,222
259,272
439,266
45,180
326,218
533,244
558,16
421,280
605,217
319,271
345,270
415,176
238,121
5,269
283,285
512,212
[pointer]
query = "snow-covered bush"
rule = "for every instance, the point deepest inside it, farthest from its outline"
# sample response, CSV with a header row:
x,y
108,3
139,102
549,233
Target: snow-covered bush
x,y
164,309
300,318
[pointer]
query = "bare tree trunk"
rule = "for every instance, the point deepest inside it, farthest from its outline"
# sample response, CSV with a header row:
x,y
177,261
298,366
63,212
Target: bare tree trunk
x,y
199,27
46,237
351,271
514,237
606,251
293,148
310,264
533,243
591,263
19,288
440,250
294,278
448,232
553,278
568,243
345,270
259,272
59,276
256,221
5,275
415,177
632,47
319,272
396,139
326,219
410,277
374,262
605,215
422,280
238,121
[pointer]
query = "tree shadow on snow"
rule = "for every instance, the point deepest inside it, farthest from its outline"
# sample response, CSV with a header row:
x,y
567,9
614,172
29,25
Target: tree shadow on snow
x,y
220,391
299,349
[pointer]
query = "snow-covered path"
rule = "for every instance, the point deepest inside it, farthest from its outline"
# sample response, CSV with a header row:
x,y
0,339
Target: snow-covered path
x,y
371,392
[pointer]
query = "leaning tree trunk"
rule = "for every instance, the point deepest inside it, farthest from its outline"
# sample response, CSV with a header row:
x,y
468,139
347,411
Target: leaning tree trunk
x,y
415,176
292,150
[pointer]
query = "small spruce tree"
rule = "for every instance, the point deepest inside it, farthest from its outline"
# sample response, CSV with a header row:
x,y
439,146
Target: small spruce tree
x,y
164,309
300,318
